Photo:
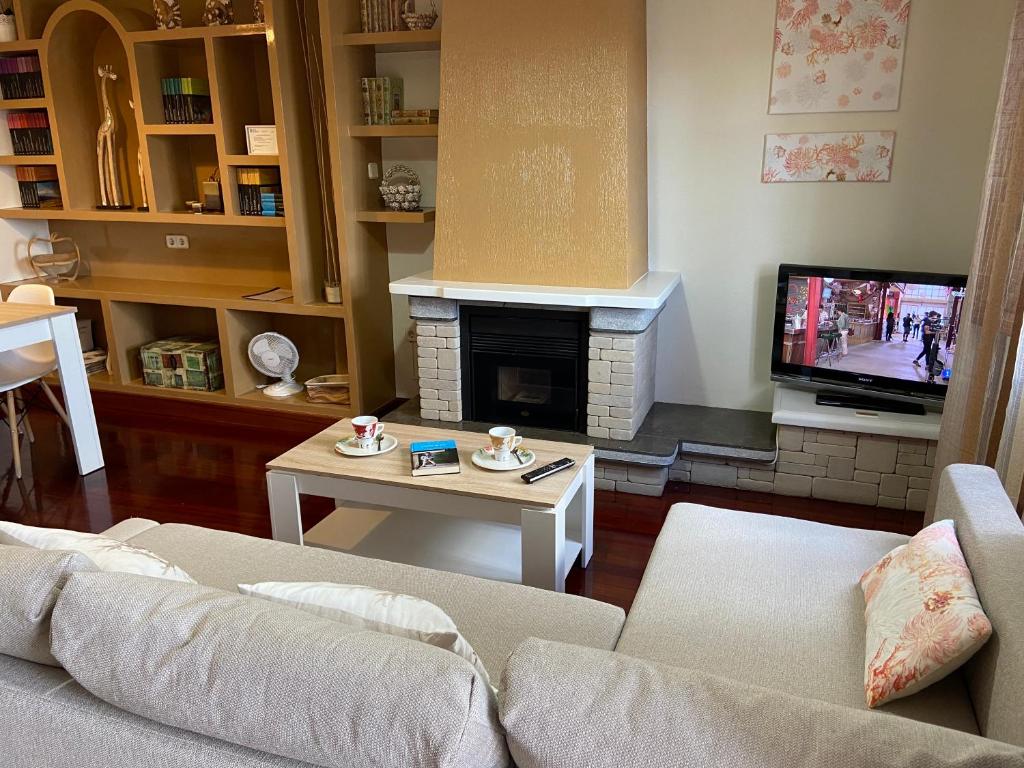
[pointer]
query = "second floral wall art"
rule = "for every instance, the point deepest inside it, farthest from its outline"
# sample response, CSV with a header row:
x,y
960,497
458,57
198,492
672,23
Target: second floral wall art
x,y
838,55
854,156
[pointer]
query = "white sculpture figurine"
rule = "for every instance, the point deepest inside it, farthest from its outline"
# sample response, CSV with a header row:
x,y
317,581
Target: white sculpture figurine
x,y
106,147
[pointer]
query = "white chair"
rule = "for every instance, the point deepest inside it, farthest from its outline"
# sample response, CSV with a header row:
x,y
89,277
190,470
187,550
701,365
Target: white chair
x,y
25,365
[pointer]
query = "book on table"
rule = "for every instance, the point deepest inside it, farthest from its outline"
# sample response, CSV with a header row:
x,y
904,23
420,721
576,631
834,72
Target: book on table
x,y
434,457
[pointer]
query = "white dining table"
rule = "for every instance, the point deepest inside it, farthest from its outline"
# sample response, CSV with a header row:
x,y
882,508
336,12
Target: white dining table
x,y
24,324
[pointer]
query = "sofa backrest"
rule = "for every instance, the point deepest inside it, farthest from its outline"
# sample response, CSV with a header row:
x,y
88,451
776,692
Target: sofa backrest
x,y
564,705
272,678
992,538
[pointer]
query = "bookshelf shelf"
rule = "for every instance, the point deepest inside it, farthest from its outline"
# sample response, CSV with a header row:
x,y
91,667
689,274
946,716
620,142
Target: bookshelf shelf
x,y
183,218
198,33
27,160
396,217
169,292
251,160
19,46
180,129
8,104
396,42
392,131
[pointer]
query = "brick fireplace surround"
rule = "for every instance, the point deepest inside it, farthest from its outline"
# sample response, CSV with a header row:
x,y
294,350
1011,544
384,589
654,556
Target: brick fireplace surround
x,y
622,350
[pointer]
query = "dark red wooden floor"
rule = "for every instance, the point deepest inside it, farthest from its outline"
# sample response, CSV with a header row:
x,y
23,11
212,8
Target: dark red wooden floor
x,y
181,463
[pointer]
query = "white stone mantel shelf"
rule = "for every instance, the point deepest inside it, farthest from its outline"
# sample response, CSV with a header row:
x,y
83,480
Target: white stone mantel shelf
x,y
649,292
796,408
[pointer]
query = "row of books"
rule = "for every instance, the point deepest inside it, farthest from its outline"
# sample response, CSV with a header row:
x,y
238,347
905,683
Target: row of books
x,y
381,15
186,100
414,116
259,192
21,77
38,186
30,132
381,97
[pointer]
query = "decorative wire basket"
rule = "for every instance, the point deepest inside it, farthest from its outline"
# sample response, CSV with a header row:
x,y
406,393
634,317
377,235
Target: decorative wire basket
x,y
418,21
405,196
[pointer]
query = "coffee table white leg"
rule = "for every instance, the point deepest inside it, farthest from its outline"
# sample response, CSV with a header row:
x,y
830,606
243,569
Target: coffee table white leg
x,y
285,513
580,520
75,385
543,548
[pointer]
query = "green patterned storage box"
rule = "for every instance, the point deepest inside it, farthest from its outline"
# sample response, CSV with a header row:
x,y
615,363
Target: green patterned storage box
x,y
183,362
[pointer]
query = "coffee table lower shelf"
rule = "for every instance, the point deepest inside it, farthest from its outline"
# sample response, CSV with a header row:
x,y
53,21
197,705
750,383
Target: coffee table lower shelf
x,y
458,545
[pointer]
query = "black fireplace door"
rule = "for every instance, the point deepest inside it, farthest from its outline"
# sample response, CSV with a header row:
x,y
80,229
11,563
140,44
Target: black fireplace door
x,y
525,367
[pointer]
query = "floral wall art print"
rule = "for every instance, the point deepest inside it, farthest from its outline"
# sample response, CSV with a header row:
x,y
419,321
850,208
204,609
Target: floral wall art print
x,y
854,156
838,55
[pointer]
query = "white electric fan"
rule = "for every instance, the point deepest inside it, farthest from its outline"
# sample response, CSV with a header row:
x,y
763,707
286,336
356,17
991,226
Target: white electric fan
x,y
274,355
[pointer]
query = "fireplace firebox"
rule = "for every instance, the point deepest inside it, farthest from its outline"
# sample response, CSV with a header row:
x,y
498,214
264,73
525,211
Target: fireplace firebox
x,y
525,367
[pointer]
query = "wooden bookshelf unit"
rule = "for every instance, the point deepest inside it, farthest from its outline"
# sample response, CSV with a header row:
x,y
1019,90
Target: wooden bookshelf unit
x,y
136,289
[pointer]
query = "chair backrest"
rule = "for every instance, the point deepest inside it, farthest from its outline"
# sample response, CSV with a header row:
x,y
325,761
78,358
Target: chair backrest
x,y
42,352
992,538
32,294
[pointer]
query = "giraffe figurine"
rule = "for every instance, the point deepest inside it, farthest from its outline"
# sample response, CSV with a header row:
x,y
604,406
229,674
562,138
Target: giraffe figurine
x,y
106,146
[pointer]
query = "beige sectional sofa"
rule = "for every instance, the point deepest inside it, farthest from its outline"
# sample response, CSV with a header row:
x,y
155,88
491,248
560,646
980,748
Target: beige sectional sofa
x,y
744,648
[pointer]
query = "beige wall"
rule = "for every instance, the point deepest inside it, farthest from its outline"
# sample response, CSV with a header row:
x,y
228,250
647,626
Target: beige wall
x,y
541,168
712,219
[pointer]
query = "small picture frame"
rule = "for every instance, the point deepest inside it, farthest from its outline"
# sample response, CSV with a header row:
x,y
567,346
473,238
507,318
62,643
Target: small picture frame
x,y
261,139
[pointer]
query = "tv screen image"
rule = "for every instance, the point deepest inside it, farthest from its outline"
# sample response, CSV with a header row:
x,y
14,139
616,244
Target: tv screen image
x,y
885,332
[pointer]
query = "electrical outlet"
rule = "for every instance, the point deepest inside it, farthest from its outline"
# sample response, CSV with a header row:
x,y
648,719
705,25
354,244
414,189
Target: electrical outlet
x,y
373,171
411,336
177,241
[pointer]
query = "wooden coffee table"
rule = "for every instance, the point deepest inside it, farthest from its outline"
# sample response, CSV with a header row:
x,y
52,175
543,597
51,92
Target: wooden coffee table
x,y
555,515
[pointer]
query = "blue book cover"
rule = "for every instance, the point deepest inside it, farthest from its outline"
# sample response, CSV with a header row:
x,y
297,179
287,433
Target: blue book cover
x,y
436,457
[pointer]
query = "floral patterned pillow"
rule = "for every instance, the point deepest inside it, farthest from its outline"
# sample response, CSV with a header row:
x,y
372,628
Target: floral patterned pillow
x,y
923,616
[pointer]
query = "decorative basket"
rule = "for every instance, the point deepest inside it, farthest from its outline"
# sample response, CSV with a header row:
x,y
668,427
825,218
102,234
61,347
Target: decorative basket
x,y
418,21
55,267
401,197
329,389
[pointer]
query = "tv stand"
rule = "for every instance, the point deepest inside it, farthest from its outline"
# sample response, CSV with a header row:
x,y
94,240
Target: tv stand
x,y
866,403
796,407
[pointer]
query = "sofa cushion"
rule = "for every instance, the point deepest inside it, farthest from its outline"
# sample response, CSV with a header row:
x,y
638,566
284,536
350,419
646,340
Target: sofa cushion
x,y
272,678
30,582
923,615
493,616
569,706
108,554
770,601
369,608
58,724
992,538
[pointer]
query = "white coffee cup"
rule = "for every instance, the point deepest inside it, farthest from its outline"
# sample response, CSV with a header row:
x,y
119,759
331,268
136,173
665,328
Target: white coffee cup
x,y
367,429
503,441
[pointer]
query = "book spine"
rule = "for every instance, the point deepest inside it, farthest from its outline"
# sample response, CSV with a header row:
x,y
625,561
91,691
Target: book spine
x,y
364,16
414,121
397,99
367,116
386,84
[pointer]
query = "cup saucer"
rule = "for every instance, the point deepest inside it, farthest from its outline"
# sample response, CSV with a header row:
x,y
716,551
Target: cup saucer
x,y
349,446
484,458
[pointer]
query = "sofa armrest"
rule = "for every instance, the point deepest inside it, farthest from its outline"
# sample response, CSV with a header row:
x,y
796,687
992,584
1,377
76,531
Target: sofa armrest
x,y
130,528
565,705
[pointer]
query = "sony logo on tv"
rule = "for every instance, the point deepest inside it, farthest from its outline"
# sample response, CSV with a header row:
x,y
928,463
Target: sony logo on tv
x,y
865,380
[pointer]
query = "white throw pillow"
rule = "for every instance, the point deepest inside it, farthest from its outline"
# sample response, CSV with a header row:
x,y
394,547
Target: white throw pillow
x,y
374,609
107,554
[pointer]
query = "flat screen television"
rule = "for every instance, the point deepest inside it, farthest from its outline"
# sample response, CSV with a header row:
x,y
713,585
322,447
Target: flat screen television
x,y
876,335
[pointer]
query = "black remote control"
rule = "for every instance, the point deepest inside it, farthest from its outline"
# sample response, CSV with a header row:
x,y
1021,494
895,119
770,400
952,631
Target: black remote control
x,y
547,470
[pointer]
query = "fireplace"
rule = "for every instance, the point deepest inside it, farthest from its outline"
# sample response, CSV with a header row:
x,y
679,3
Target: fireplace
x,y
526,367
